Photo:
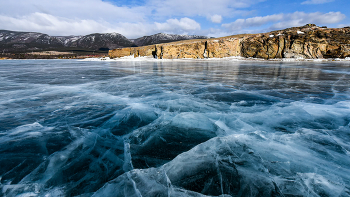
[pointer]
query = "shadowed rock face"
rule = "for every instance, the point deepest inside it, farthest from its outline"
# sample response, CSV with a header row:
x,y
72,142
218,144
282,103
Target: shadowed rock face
x,y
309,41
303,42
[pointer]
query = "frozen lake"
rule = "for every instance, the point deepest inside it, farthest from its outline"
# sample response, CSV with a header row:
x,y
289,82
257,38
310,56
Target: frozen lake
x,y
174,128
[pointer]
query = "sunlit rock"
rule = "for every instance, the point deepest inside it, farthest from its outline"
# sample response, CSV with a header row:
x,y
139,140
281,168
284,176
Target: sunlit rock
x,y
307,42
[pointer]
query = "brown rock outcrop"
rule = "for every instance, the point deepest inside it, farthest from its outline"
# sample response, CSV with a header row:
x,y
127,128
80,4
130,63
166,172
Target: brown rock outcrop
x,y
136,51
225,47
303,42
263,46
308,41
121,52
193,50
144,51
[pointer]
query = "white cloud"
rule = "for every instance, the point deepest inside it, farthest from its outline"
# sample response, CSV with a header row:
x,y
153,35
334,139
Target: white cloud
x,y
185,24
92,9
343,25
280,21
212,32
253,22
74,9
216,18
41,22
52,25
81,17
78,17
316,1
173,26
199,7
301,18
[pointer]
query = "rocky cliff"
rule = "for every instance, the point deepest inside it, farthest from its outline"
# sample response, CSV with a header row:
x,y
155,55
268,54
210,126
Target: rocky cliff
x,y
309,41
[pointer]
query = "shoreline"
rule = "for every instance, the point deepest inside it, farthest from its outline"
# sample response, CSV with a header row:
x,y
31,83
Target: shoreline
x,y
232,58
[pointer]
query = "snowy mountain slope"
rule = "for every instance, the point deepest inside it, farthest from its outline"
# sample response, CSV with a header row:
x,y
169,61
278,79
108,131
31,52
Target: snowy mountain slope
x,y
19,41
13,41
164,38
97,41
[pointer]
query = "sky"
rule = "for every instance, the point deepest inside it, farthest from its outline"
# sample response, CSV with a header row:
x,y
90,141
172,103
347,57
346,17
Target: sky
x,y
137,18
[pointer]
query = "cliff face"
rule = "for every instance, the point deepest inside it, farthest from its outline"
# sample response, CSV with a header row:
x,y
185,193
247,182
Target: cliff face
x,y
308,41
195,49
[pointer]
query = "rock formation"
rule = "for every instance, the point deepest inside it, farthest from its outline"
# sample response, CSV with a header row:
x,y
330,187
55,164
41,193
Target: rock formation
x,y
309,41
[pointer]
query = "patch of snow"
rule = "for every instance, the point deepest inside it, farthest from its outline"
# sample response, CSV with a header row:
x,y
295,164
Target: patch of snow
x,y
339,59
72,39
271,36
105,58
318,60
113,34
91,59
128,57
300,32
232,58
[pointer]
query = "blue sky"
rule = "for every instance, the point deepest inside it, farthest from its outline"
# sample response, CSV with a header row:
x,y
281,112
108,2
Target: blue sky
x,y
136,18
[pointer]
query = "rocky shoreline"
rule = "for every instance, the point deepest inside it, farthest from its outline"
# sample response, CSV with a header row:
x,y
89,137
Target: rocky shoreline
x,y
308,42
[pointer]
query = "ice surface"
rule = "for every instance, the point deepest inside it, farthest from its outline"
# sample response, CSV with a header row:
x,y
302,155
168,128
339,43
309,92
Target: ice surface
x,y
174,128
167,137
241,165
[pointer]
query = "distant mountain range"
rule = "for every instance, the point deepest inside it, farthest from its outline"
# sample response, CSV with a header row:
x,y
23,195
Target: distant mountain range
x,y
13,41
164,38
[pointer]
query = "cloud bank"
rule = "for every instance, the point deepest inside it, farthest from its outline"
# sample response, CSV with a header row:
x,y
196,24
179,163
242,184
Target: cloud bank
x,y
280,21
201,17
40,22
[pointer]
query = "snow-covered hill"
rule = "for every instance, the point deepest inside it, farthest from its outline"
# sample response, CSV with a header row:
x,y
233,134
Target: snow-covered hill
x,y
13,41
164,38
